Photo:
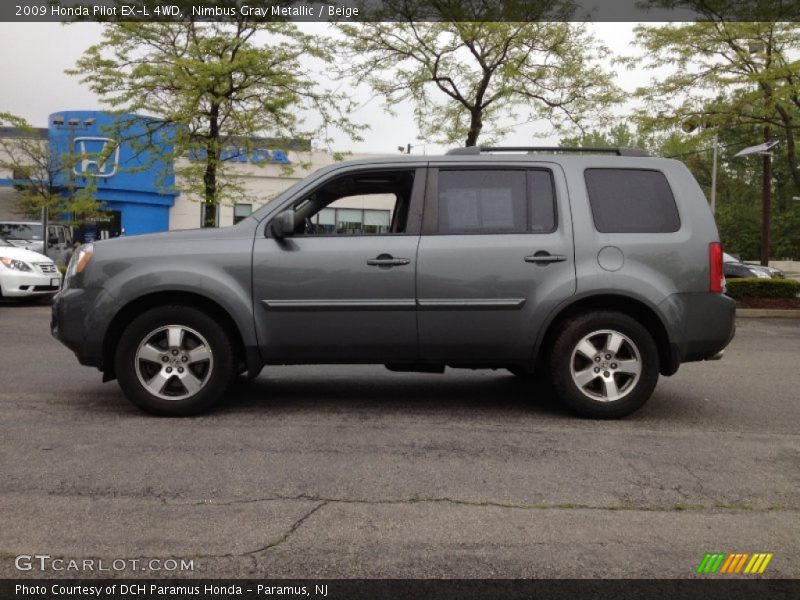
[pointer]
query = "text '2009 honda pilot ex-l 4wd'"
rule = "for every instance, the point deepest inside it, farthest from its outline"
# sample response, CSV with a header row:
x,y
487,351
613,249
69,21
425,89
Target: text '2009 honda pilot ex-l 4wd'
x,y
598,270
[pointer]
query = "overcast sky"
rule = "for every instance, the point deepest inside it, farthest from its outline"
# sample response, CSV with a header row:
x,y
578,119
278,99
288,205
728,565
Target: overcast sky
x,y
34,84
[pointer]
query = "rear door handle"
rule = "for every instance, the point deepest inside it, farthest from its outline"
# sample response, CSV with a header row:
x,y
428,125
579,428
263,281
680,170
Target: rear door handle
x,y
545,258
387,260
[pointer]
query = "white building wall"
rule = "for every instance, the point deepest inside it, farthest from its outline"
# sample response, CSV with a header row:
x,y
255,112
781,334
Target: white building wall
x,y
8,195
8,201
262,184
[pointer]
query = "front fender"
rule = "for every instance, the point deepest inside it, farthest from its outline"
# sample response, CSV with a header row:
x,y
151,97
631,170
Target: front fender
x,y
218,271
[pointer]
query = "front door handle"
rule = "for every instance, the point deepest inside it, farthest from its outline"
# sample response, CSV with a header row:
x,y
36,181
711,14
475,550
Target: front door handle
x,y
387,260
543,257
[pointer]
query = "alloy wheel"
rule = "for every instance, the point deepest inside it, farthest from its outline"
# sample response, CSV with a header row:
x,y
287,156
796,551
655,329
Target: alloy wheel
x,y
606,365
174,362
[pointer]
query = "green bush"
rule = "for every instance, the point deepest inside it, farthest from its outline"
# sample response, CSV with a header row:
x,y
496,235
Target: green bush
x,y
755,287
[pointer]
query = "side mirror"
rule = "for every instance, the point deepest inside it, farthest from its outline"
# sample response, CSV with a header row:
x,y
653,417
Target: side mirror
x,y
283,225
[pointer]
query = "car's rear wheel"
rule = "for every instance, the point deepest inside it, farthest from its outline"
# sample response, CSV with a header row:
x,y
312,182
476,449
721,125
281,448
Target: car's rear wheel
x,y
604,365
174,360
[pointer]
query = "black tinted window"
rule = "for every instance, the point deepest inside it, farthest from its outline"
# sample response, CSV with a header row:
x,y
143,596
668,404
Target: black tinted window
x,y
631,201
482,201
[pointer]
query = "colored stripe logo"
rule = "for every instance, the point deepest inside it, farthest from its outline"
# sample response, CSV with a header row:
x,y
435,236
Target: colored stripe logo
x,y
734,563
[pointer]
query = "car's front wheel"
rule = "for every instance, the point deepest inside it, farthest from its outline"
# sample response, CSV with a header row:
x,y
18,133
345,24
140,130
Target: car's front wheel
x,y
604,365
174,360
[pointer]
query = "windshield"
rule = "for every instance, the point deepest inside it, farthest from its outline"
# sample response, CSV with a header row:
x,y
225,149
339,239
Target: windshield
x,y
258,214
21,231
728,258
4,243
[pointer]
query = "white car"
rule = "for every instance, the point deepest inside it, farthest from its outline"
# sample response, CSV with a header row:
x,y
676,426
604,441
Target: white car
x,y
25,273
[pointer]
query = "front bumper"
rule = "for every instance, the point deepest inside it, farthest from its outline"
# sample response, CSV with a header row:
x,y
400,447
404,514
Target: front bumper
x,y
20,284
74,323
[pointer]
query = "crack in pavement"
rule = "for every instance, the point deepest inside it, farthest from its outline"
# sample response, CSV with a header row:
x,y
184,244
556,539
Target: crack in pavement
x,y
178,500
285,536
321,502
678,507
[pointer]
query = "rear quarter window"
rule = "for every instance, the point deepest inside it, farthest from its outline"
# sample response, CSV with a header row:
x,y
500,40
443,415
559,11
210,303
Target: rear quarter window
x,y
631,201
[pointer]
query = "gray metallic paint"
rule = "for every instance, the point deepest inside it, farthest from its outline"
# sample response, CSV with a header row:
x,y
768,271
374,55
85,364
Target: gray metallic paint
x,y
468,299
493,270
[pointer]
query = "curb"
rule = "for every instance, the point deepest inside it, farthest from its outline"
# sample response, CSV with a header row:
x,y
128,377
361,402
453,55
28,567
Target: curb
x,y
767,313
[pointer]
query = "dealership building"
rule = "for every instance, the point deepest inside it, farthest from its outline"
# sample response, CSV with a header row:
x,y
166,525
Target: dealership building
x,y
136,182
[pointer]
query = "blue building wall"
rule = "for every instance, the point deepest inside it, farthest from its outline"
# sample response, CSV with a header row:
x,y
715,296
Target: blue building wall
x,y
129,178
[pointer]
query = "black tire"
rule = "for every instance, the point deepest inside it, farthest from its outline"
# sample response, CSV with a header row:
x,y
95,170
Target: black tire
x,y
216,379
634,390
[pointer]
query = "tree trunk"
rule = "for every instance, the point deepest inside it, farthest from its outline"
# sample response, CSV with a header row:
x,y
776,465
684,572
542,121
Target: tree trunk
x,y
212,157
475,126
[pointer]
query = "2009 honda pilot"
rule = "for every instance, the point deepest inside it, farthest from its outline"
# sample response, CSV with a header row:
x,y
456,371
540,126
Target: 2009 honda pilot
x,y
598,270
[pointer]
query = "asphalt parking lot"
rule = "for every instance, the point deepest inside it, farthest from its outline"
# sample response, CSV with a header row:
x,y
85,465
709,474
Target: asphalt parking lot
x,y
358,472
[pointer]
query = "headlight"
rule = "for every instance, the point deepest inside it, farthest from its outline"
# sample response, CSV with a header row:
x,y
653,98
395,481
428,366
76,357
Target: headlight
x,y
79,261
15,265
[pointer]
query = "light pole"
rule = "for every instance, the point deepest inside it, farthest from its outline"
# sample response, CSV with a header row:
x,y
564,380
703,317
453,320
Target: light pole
x,y
407,148
766,189
688,127
766,199
714,176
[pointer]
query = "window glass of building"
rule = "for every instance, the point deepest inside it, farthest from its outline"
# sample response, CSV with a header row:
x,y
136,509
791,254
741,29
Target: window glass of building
x,y
241,211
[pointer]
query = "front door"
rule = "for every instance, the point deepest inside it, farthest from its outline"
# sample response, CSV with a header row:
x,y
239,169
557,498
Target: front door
x,y
341,287
496,256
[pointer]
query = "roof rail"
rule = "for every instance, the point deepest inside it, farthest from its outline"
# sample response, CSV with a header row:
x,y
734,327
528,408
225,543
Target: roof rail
x,y
475,150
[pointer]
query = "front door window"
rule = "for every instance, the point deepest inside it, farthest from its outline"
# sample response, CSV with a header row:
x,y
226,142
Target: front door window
x,y
374,203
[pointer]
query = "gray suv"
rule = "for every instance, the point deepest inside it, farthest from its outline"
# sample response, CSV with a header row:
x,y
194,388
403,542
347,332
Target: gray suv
x,y
597,270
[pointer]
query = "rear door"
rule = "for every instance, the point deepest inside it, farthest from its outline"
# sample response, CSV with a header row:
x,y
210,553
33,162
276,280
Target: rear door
x,y
496,256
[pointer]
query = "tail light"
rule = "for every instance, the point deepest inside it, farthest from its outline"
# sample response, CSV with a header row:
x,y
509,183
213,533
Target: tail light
x,y
716,277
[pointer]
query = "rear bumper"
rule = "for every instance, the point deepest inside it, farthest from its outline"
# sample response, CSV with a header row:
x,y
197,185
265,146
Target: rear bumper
x,y
707,324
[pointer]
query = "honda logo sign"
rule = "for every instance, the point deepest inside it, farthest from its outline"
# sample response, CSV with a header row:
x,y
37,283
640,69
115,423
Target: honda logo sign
x,y
98,156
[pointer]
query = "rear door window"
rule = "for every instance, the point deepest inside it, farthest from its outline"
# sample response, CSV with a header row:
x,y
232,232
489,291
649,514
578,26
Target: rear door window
x,y
495,201
631,201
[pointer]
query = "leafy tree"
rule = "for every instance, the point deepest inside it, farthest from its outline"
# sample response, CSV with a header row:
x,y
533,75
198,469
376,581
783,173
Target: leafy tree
x,y
725,74
738,213
730,10
215,86
463,77
44,179
621,135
